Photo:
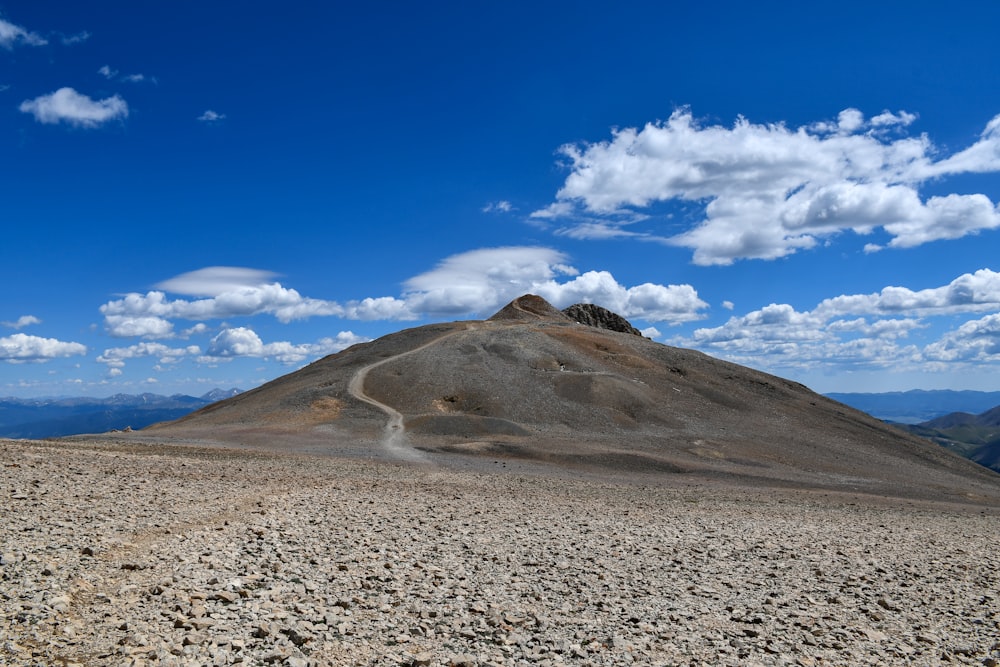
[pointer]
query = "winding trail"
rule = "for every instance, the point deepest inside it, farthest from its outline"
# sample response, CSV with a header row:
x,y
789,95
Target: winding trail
x,y
394,439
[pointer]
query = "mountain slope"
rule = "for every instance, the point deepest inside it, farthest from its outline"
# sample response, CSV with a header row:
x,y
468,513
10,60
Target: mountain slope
x,y
532,384
977,437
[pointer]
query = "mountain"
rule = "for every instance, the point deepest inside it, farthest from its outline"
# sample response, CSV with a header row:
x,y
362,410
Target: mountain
x,y
56,417
976,437
531,386
912,407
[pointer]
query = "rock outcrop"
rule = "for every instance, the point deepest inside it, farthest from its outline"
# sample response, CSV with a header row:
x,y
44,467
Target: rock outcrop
x,y
595,316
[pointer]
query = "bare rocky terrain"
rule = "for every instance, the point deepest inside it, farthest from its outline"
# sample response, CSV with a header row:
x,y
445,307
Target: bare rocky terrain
x,y
525,490
121,554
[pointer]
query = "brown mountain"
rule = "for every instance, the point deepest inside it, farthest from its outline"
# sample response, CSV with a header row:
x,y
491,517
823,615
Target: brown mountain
x,y
530,384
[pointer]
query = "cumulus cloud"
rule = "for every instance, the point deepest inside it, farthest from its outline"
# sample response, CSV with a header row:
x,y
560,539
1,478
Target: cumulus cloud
x,y
976,341
149,314
482,281
864,329
968,293
116,357
68,106
12,35
244,342
475,282
769,190
21,322
23,348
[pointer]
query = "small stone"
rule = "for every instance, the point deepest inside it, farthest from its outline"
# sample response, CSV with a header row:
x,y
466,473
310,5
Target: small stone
x,y
463,660
887,604
226,597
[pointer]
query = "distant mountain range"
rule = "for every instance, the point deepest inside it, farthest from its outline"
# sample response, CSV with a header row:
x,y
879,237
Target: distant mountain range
x,y
55,417
966,422
916,406
975,437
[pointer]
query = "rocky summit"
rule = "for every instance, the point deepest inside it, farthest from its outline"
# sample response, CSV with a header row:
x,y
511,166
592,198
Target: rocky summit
x,y
539,488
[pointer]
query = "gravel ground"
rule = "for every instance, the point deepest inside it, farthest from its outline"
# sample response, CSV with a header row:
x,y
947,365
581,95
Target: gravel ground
x,y
123,554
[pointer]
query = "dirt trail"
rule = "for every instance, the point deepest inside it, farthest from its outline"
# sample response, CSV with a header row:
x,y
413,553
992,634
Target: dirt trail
x,y
394,439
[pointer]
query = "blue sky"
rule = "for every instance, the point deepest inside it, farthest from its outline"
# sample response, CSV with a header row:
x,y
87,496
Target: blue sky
x,y
213,195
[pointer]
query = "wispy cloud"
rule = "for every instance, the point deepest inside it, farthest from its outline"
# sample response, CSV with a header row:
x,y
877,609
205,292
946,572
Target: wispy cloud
x,y
210,116
21,322
12,35
109,73
20,348
78,38
502,206
68,106
770,191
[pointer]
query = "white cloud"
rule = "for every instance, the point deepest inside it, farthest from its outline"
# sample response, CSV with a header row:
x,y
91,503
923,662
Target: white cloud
x,y
12,35
210,116
481,281
21,322
502,206
216,280
68,106
475,282
149,314
968,293
976,341
21,348
109,73
78,38
244,342
769,191
116,357
864,329
128,326
673,304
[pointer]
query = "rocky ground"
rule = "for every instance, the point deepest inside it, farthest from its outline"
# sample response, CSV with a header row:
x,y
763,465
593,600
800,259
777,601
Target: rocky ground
x,y
123,554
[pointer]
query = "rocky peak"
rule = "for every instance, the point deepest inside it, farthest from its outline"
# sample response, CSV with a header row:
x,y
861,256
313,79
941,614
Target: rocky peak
x,y
529,307
602,318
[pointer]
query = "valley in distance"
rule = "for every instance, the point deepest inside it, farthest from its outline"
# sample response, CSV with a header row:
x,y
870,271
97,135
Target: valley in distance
x,y
543,487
